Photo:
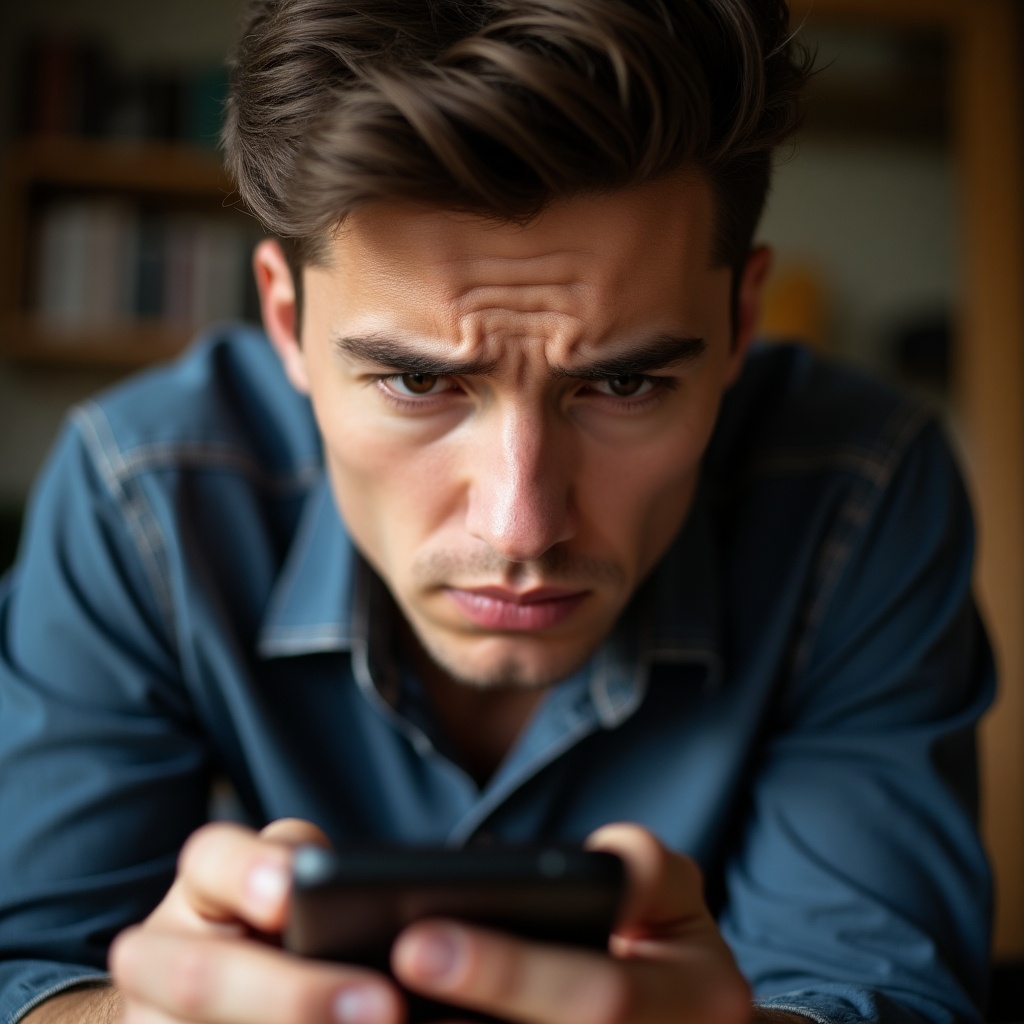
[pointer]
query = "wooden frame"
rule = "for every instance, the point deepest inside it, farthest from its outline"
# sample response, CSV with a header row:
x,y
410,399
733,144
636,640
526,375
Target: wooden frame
x,y
987,107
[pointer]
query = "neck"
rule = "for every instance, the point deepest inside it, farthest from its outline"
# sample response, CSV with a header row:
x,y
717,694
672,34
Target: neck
x,y
482,723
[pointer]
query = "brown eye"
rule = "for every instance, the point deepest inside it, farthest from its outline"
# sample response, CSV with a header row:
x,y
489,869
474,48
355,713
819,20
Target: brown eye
x,y
418,383
625,387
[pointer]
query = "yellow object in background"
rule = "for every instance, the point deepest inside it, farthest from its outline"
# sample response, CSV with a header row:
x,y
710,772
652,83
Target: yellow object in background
x,y
795,307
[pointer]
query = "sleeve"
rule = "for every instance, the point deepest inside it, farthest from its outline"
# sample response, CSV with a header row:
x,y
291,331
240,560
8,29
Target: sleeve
x,y
103,771
861,863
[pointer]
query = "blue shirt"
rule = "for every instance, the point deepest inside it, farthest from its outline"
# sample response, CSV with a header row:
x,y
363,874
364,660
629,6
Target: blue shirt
x,y
790,698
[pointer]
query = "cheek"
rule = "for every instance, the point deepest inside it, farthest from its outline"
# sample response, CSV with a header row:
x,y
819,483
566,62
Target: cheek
x,y
634,498
391,492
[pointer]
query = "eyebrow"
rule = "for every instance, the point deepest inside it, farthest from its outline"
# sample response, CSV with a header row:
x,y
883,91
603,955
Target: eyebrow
x,y
657,353
402,358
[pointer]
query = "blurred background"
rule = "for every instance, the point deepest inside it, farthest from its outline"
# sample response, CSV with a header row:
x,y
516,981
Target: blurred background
x,y
896,218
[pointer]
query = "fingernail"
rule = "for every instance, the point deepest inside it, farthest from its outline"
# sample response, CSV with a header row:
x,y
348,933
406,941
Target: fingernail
x,y
361,1004
436,954
267,884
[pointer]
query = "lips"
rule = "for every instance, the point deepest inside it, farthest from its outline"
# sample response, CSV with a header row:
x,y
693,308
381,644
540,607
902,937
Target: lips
x,y
508,611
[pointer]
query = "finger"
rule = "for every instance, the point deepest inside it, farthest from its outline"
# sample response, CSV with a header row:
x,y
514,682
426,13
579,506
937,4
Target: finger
x,y
228,873
512,979
219,981
134,1012
224,875
539,984
294,832
665,889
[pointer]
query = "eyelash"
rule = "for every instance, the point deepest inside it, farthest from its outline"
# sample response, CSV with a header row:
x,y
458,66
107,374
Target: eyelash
x,y
659,387
405,403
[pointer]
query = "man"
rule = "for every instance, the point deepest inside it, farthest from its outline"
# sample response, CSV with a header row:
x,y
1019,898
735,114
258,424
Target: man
x,y
527,546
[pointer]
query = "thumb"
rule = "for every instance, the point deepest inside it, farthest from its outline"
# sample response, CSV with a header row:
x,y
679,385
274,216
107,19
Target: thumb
x,y
294,832
665,889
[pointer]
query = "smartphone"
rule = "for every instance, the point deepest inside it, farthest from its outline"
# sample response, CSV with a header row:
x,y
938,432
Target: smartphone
x,y
351,905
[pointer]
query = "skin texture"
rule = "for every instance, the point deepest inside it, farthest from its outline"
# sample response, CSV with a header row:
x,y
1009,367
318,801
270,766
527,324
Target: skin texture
x,y
529,470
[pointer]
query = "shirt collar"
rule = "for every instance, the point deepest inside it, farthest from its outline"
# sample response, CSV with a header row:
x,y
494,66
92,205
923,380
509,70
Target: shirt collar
x,y
673,619
311,607
322,601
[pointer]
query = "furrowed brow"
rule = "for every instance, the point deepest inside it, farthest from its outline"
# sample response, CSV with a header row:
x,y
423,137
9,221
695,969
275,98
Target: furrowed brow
x,y
660,353
401,358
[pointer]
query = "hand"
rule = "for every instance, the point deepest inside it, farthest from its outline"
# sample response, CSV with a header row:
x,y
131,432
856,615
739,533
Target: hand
x,y
667,962
203,956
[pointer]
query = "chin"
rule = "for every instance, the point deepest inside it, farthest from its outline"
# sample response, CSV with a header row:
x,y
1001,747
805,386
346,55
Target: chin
x,y
507,664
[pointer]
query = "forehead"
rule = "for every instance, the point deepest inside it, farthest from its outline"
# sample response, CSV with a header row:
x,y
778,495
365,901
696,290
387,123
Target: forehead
x,y
606,259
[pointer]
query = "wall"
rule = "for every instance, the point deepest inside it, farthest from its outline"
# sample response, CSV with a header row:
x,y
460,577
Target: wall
x,y
874,220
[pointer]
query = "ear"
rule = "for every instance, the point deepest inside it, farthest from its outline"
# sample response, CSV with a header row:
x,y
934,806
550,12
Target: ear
x,y
277,303
748,307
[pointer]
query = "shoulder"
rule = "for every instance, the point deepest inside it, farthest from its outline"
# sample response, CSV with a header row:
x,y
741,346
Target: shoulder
x,y
224,404
842,521
795,414
830,490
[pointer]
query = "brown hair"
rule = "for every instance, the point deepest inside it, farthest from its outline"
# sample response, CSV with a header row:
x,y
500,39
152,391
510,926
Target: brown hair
x,y
501,106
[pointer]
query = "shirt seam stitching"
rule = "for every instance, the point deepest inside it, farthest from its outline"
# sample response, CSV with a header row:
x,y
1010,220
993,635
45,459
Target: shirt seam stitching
x,y
67,985
134,507
803,1011
903,425
868,462
213,455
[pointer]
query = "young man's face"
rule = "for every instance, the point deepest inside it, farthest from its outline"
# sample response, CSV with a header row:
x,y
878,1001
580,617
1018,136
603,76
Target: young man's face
x,y
514,418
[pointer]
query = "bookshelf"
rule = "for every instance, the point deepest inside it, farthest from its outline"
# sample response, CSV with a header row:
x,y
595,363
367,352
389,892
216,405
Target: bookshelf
x,y
80,217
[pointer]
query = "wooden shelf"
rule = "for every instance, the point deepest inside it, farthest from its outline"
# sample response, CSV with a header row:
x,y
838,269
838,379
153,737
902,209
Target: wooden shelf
x,y
161,167
27,340
166,177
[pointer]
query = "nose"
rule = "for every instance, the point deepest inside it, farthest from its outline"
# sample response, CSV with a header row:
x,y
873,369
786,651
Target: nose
x,y
520,486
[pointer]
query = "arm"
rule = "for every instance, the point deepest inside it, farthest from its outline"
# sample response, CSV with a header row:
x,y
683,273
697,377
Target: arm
x,y
859,887
101,1005
105,771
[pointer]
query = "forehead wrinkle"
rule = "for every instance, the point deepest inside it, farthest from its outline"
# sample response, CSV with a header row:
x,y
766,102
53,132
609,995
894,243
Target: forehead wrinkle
x,y
574,301
547,268
515,259
519,333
